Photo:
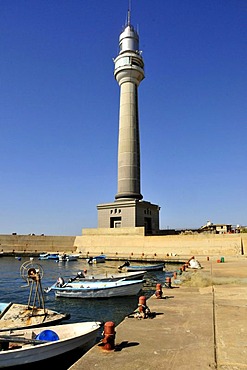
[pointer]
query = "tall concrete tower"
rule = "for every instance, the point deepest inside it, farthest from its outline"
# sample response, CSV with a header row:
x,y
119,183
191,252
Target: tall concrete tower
x,y
128,209
129,72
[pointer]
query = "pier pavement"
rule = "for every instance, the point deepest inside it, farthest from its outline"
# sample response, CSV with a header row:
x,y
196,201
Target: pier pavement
x,y
200,323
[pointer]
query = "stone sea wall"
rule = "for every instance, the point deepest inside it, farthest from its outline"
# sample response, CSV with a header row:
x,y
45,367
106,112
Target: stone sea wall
x,y
36,243
138,246
128,243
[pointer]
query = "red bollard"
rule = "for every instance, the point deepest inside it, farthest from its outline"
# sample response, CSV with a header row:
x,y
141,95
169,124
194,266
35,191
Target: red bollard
x,y
142,303
158,292
109,336
168,282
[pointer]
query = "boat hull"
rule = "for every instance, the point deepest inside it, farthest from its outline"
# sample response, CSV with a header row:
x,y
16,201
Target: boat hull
x,y
111,277
102,290
67,258
96,259
158,267
49,256
71,336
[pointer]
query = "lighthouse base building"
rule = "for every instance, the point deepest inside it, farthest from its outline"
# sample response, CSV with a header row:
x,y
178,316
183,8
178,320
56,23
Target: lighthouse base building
x,y
129,213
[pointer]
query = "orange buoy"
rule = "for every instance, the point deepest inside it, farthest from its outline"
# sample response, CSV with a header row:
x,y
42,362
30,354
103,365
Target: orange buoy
x,y
109,336
158,292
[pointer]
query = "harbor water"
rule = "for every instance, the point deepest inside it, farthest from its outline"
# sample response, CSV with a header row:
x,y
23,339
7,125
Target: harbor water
x,y
13,288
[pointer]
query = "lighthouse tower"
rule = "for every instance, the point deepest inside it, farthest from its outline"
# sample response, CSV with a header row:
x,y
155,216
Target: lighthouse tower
x,y
129,72
128,209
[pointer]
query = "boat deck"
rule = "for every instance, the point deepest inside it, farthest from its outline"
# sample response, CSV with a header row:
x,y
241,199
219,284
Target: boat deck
x,y
19,315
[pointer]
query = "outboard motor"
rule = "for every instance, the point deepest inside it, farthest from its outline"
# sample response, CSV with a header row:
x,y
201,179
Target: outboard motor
x,y
80,275
60,282
126,263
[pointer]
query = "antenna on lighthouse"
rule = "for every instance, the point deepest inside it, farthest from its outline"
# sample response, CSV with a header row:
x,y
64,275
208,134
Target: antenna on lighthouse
x,y
129,11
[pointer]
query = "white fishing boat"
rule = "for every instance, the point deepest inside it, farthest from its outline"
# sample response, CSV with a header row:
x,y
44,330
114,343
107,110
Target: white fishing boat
x,y
30,346
97,289
83,277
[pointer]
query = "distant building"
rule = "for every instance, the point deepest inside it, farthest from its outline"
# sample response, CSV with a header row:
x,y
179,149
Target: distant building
x,y
216,228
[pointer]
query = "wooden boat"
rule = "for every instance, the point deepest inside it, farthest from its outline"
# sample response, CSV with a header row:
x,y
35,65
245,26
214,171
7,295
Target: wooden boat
x,y
30,346
152,267
97,259
97,289
34,313
19,316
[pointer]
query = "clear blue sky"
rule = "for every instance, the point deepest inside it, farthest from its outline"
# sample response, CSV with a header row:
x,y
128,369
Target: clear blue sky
x,y
59,111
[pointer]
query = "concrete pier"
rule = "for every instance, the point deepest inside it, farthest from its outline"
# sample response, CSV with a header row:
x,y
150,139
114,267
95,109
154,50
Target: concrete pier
x,y
200,323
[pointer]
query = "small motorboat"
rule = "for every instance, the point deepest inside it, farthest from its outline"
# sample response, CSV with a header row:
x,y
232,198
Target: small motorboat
x,y
29,346
68,257
83,277
97,289
43,256
53,256
97,259
126,266
49,256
